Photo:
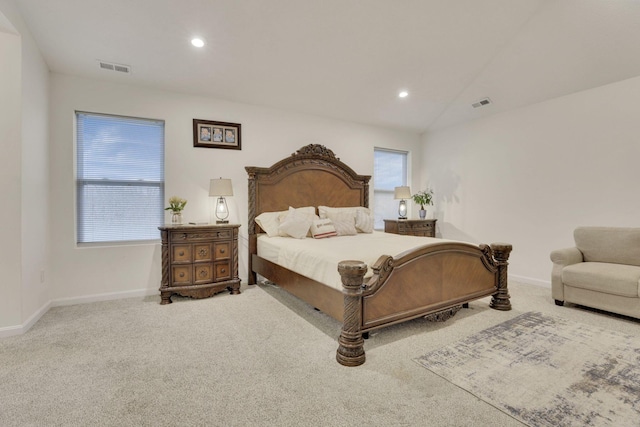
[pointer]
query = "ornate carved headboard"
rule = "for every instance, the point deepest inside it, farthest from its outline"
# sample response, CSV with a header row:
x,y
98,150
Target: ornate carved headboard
x,y
312,176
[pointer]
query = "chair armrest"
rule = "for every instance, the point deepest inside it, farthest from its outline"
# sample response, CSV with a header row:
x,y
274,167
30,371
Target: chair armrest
x,y
566,256
561,258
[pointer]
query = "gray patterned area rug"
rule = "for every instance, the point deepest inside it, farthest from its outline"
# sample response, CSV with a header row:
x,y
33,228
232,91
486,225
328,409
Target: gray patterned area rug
x,y
547,371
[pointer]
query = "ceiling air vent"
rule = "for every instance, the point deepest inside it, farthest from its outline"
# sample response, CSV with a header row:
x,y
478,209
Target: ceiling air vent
x,y
114,67
481,103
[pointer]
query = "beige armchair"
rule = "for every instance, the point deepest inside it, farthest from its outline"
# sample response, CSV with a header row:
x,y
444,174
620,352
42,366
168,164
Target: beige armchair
x,y
602,271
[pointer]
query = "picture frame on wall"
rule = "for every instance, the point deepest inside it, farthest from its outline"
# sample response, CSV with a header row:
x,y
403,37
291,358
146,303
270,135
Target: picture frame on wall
x,y
211,134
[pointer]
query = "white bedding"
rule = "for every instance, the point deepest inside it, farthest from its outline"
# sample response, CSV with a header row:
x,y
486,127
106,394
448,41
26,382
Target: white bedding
x,y
318,258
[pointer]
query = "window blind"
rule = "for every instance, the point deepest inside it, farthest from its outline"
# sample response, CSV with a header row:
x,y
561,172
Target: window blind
x,y
389,171
120,178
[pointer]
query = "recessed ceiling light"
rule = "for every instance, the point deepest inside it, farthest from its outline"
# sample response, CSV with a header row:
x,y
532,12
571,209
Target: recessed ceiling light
x,y
197,42
403,94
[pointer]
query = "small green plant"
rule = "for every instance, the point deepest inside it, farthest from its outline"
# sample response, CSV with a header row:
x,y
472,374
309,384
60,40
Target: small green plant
x,y
176,204
423,198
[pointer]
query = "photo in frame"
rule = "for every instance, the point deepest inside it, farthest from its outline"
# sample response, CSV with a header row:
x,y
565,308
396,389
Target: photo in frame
x,y
210,134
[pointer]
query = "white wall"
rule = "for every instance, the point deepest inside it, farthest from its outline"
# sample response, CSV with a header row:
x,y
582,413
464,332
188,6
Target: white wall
x,y
530,176
25,214
10,250
35,178
268,135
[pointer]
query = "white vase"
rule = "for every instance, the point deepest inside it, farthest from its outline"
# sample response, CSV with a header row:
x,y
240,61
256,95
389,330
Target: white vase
x,y
422,213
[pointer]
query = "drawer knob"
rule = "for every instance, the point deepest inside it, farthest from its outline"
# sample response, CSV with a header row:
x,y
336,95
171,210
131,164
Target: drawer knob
x,y
181,274
203,252
181,253
203,273
184,236
222,251
224,270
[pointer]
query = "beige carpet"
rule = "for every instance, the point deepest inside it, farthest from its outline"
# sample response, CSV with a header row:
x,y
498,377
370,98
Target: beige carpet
x,y
548,371
262,358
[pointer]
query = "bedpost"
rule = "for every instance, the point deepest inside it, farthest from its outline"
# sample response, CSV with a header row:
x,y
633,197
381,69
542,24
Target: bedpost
x,y
351,344
252,277
500,300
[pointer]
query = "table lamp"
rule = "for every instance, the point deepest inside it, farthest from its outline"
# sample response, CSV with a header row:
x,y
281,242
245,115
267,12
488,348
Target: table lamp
x,y
402,193
221,188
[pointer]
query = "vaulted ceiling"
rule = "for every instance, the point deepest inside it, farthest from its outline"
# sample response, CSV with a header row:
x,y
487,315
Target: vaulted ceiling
x,y
348,59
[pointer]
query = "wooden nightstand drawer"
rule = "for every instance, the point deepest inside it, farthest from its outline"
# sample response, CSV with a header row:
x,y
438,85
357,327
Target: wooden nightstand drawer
x,y
202,273
223,271
181,274
193,236
411,227
181,253
222,250
421,226
202,252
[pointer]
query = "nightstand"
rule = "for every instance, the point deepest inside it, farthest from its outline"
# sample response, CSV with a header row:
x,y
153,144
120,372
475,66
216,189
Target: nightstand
x,y
199,261
411,227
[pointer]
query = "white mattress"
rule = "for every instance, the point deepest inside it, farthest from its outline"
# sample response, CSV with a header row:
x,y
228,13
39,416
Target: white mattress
x,y
318,258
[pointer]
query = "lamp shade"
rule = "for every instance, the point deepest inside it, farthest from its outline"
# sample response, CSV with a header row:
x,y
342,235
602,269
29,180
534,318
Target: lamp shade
x,y
220,187
402,193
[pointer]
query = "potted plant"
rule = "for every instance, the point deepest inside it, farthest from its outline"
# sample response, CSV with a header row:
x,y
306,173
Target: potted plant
x,y
176,205
423,198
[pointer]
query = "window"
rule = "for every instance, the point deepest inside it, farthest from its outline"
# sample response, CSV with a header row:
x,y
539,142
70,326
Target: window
x,y
120,178
389,171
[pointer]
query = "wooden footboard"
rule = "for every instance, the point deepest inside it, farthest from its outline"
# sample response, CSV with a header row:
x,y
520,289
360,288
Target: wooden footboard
x,y
417,283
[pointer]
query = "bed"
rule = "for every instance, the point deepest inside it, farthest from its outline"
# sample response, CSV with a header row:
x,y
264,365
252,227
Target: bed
x,y
430,279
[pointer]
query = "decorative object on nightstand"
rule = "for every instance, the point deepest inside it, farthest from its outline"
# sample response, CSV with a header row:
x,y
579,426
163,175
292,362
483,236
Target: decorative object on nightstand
x,y
199,261
411,227
221,187
423,198
176,205
402,193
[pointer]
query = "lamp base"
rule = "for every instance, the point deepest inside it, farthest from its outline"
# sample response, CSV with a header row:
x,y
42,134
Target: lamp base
x,y
222,222
402,217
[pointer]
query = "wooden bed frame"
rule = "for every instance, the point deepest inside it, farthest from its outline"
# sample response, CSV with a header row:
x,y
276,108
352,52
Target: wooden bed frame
x,y
425,281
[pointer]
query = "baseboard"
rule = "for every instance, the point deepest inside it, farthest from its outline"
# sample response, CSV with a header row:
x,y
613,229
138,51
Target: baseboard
x,y
21,329
10,331
103,297
530,281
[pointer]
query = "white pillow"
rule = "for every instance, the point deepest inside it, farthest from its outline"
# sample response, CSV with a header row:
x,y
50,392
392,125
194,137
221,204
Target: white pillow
x,y
344,223
307,210
269,222
324,211
297,223
363,217
322,228
364,220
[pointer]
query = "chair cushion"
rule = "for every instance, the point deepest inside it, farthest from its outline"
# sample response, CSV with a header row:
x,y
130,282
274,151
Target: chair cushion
x,y
618,245
616,279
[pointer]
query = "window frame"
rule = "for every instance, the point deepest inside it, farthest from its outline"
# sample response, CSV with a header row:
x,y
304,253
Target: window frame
x,y
80,183
384,191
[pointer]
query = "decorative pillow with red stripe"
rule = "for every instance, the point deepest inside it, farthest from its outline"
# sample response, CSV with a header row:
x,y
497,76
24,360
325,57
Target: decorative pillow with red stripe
x,y
322,228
